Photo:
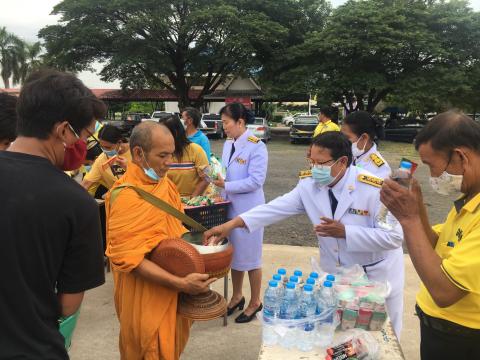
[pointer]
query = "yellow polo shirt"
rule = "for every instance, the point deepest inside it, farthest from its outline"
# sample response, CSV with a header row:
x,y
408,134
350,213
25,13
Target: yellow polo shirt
x,y
459,246
326,126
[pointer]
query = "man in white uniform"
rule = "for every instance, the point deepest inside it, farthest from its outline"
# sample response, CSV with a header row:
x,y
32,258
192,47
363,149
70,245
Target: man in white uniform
x,y
342,201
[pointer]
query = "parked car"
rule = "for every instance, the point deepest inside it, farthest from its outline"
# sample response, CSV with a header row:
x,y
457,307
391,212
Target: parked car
x,y
303,128
213,125
125,126
157,115
260,129
404,130
134,116
289,120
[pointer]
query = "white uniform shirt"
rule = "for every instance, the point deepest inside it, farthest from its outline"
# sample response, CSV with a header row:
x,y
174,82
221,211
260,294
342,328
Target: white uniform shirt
x,y
373,162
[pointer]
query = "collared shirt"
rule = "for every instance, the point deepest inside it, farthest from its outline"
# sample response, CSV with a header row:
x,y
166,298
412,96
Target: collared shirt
x,y
338,187
459,247
374,162
326,126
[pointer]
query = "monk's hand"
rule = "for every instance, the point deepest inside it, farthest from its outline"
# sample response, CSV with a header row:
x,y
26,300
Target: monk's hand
x,y
220,182
216,234
330,228
402,203
195,283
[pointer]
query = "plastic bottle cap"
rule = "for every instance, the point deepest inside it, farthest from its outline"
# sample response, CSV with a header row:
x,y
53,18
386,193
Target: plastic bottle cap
x,y
308,288
327,284
290,285
330,277
277,277
314,275
406,165
310,281
294,278
298,273
272,283
282,271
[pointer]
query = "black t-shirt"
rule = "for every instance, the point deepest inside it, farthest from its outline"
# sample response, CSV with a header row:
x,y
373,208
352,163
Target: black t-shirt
x,y
50,242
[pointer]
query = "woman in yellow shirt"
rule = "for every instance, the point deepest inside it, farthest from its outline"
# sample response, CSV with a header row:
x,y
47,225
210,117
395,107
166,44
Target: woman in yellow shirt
x,y
187,162
112,163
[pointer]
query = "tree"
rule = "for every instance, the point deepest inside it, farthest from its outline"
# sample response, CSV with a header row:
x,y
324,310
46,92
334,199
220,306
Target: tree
x,y
10,57
418,51
165,44
30,60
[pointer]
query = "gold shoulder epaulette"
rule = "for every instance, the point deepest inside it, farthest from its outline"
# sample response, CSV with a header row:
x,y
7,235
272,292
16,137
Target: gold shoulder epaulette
x,y
377,160
304,174
253,139
370,180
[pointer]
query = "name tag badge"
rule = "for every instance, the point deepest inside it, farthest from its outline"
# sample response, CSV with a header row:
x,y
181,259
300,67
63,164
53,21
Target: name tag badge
x,y
241,161
451,244
358,212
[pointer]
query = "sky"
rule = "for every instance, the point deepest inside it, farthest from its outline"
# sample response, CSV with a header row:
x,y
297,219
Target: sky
x,y
26,17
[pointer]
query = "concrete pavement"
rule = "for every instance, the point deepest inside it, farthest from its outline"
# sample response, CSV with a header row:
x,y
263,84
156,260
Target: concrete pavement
x,y
96,335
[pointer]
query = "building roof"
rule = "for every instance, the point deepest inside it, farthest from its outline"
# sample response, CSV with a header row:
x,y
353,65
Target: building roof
x,y
140,95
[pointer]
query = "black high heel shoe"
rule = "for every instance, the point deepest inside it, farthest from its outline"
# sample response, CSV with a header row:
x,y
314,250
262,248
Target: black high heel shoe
x,y
239,305
242,318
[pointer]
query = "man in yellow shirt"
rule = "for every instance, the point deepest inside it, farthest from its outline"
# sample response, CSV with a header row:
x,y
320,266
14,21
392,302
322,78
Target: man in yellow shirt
x,y
447,256
325,121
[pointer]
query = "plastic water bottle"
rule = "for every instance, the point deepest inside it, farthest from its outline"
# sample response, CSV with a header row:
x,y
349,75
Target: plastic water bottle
x,y
312,282
298,273
288,311
326,307
283,273
279,281
306,338
403,176
314,275
294,279
271,310
330,278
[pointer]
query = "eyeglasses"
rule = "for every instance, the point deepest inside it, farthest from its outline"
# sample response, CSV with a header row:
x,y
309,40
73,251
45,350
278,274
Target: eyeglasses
x,y
313,163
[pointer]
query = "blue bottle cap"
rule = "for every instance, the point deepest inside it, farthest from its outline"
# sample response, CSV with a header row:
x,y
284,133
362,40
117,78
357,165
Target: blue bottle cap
x,y
406,165
298,272
282,271
314,275
310,281
327,284
272,283
330,277
294,278
308,288
290,285
277,277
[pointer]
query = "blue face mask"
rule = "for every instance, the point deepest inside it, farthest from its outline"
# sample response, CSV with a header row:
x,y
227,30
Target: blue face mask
x,y
322,174
150,172
88,168
110,153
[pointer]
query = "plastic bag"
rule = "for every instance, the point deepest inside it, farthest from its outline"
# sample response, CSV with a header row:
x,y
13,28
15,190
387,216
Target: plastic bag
x,y
355,344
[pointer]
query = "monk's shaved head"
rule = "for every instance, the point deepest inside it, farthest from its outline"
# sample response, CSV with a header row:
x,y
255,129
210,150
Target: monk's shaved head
x,y
142,135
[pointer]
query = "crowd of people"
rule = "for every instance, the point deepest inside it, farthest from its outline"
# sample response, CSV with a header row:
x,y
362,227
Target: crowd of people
x,y
52,233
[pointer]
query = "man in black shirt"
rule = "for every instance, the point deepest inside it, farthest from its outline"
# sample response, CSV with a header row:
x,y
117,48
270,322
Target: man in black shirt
x,y
50,245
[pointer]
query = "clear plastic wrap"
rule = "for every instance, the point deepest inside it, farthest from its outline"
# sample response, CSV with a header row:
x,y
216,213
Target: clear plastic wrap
x,y
354,344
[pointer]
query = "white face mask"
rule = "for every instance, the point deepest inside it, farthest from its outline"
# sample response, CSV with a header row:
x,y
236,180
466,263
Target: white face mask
x,y
356,152
447,184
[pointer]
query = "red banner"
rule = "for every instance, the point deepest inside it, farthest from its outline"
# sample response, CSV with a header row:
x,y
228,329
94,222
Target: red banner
x,y
247,101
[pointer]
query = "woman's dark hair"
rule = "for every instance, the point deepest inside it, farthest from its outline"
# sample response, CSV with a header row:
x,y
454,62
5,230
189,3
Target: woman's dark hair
x,y
175,126
450,130
8,117
49,97
238,111
336,142
110,133
361,122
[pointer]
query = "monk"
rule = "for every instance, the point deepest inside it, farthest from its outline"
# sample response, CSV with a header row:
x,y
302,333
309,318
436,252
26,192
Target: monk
x,y
145,294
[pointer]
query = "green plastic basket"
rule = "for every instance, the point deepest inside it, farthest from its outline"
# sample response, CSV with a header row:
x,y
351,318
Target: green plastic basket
x,y
67,327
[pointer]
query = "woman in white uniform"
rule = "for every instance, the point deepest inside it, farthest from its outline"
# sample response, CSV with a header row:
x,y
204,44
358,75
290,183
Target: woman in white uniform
x,y
362,130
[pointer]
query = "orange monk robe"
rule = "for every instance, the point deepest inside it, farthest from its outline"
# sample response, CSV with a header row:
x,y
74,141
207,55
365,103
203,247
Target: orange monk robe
x,y
149,325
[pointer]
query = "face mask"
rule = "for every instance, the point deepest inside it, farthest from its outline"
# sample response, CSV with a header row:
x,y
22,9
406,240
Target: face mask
x,y
150,172
322,174
74,154
183,124
88,168
356,152
447,184
110,153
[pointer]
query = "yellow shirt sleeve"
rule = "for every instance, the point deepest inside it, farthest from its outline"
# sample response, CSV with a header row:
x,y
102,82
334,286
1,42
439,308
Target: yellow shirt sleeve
x,y
437,229
95,173
318,129
200,156
334,127
462,266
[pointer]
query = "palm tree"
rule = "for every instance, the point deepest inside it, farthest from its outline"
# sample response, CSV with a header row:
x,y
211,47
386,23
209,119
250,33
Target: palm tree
x,y
30,61
11,55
